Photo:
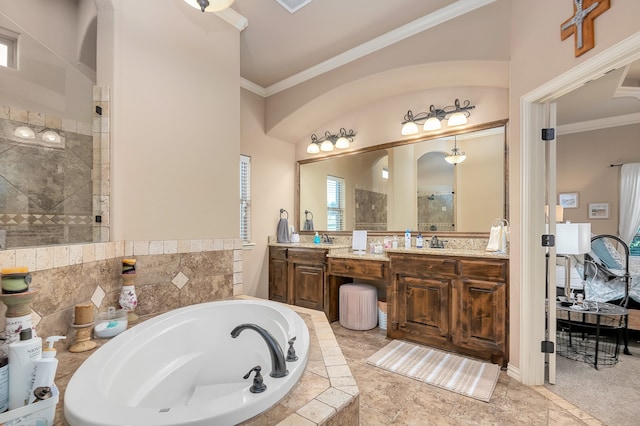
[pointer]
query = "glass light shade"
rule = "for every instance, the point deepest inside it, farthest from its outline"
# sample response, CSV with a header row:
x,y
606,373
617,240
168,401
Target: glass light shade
x,y
24,132
313,148
573,238
457,119
342,143
214,5
455,158
51,136
432,123
326,146
409,128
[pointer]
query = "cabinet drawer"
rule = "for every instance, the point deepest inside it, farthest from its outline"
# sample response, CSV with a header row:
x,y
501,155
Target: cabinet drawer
x,y
308,256
360,268
424,265
278,253
484,269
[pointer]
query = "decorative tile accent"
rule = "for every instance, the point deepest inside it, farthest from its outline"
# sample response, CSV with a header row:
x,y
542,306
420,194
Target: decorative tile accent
x,y
180,280
98,296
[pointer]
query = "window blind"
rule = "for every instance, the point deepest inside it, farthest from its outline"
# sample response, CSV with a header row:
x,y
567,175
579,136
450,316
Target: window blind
x,y
245,198
335,203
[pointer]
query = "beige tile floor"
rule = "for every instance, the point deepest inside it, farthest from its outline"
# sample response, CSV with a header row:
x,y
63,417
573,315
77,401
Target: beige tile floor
x,y
391,399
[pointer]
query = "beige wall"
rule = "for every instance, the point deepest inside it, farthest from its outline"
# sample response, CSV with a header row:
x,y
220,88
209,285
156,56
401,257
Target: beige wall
x,y
175,120
583,167
272,188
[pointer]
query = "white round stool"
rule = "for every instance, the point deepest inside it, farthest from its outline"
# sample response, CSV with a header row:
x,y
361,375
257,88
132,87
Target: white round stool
x,y
358,306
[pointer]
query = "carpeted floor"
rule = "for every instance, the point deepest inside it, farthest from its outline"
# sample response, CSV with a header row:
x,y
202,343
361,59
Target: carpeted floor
x,y
610,394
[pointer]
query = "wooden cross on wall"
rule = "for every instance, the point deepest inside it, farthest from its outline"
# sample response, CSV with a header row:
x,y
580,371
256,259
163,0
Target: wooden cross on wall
x,y
581,23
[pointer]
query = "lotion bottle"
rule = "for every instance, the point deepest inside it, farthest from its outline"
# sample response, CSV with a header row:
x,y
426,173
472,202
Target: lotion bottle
x,y
407,239
419,241
44,369
22,355
4,382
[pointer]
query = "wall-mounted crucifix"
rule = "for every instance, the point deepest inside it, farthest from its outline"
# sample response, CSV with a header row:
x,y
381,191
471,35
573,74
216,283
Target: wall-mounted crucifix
x,y
581,23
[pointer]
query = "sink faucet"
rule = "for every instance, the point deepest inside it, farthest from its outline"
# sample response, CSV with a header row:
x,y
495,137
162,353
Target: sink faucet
x,y
278,365
436,243
327,239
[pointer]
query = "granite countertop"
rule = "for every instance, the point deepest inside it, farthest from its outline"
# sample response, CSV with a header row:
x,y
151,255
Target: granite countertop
x,y
311,245
450,252
365,256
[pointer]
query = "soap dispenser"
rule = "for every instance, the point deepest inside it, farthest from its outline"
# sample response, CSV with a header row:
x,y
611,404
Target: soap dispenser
x,y
22,356
44,369
407,239
316,239
419,241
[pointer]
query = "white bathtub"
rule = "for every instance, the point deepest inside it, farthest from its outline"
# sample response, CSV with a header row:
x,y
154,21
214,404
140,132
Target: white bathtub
x,y
184,368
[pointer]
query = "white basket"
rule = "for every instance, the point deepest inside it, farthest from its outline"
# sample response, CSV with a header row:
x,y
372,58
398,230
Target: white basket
x,y
41,413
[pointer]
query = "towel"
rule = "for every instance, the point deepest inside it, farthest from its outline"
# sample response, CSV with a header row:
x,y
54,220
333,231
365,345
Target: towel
x,y
282,231
498,236
308,223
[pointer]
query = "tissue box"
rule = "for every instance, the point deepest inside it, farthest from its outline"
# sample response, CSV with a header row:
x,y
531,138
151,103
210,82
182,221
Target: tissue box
x,y
41,413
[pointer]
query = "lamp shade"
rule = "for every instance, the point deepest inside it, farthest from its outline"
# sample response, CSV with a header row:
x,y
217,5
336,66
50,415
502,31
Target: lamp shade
x,y
24,132
51,136
409,128
573,238
455,158
457,119
432,123
342,143
313,148
326,146
213,6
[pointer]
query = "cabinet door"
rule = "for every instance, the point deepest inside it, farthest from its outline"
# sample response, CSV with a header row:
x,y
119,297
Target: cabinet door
x,y
278,276
423,309
308,286
479,311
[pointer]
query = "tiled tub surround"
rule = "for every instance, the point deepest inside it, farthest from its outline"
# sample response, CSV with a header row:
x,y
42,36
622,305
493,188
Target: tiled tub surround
x,y
326,394
170,274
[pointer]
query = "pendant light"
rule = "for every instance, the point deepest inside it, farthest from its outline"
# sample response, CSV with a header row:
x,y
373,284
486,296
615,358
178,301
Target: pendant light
x,y
456,157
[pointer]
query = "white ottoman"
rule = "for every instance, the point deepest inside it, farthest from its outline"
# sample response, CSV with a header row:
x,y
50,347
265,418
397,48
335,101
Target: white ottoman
x,y
358,306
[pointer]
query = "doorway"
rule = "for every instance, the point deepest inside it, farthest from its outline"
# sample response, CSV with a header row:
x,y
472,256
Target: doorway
x,y
532,160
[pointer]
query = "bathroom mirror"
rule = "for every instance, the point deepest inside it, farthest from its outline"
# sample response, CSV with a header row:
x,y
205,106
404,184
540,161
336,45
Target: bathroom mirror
x,y
47,188
408,185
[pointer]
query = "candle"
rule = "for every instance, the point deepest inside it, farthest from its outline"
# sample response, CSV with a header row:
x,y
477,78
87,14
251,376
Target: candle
x,y
83,314
15,280
128,266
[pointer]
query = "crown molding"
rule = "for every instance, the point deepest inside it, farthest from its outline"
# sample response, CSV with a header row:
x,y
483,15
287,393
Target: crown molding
x,y
627,91
233,18
252,87
601,123
417,26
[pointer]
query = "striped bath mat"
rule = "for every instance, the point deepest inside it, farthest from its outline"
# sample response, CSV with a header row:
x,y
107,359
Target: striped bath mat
x,y
458,374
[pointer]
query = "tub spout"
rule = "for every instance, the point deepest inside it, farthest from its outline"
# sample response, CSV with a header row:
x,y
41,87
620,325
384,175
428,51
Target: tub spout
x,y
278,365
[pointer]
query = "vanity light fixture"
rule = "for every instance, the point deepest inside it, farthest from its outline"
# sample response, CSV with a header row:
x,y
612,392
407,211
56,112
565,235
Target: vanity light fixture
x,y
455,114
329,141
456,157
210,5
46,134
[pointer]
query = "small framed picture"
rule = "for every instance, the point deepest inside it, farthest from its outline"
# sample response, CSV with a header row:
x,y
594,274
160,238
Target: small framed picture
x,y
598,210
568,200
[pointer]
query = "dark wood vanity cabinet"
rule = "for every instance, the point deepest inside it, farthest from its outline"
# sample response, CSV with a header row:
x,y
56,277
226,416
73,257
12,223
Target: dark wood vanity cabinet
x,y
297,275
458,304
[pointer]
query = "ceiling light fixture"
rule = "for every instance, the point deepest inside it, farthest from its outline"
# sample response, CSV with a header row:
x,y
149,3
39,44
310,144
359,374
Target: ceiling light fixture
x,y
456,157
210,5
329,141
431,120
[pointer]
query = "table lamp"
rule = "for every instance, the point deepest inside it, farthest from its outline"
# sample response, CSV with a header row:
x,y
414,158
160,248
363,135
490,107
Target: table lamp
x,y
572,238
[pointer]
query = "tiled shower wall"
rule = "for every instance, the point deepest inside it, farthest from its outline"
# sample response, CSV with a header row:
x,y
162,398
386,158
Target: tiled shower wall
x,y
169,274
371,210
50,194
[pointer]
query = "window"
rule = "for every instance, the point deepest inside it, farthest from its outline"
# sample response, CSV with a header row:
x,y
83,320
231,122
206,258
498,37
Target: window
x,y
335,203
245,198
8,48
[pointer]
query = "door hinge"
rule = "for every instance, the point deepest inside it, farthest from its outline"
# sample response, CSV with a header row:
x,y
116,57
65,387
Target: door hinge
x,y
546,347
548,134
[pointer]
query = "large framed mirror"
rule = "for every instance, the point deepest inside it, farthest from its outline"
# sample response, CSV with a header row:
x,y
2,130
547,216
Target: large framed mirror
x,y
408,184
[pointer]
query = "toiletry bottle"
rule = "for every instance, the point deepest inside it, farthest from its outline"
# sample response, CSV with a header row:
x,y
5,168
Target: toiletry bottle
x,y
44,369
394,243
407,239
22,355
316,239
419,241
4,382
